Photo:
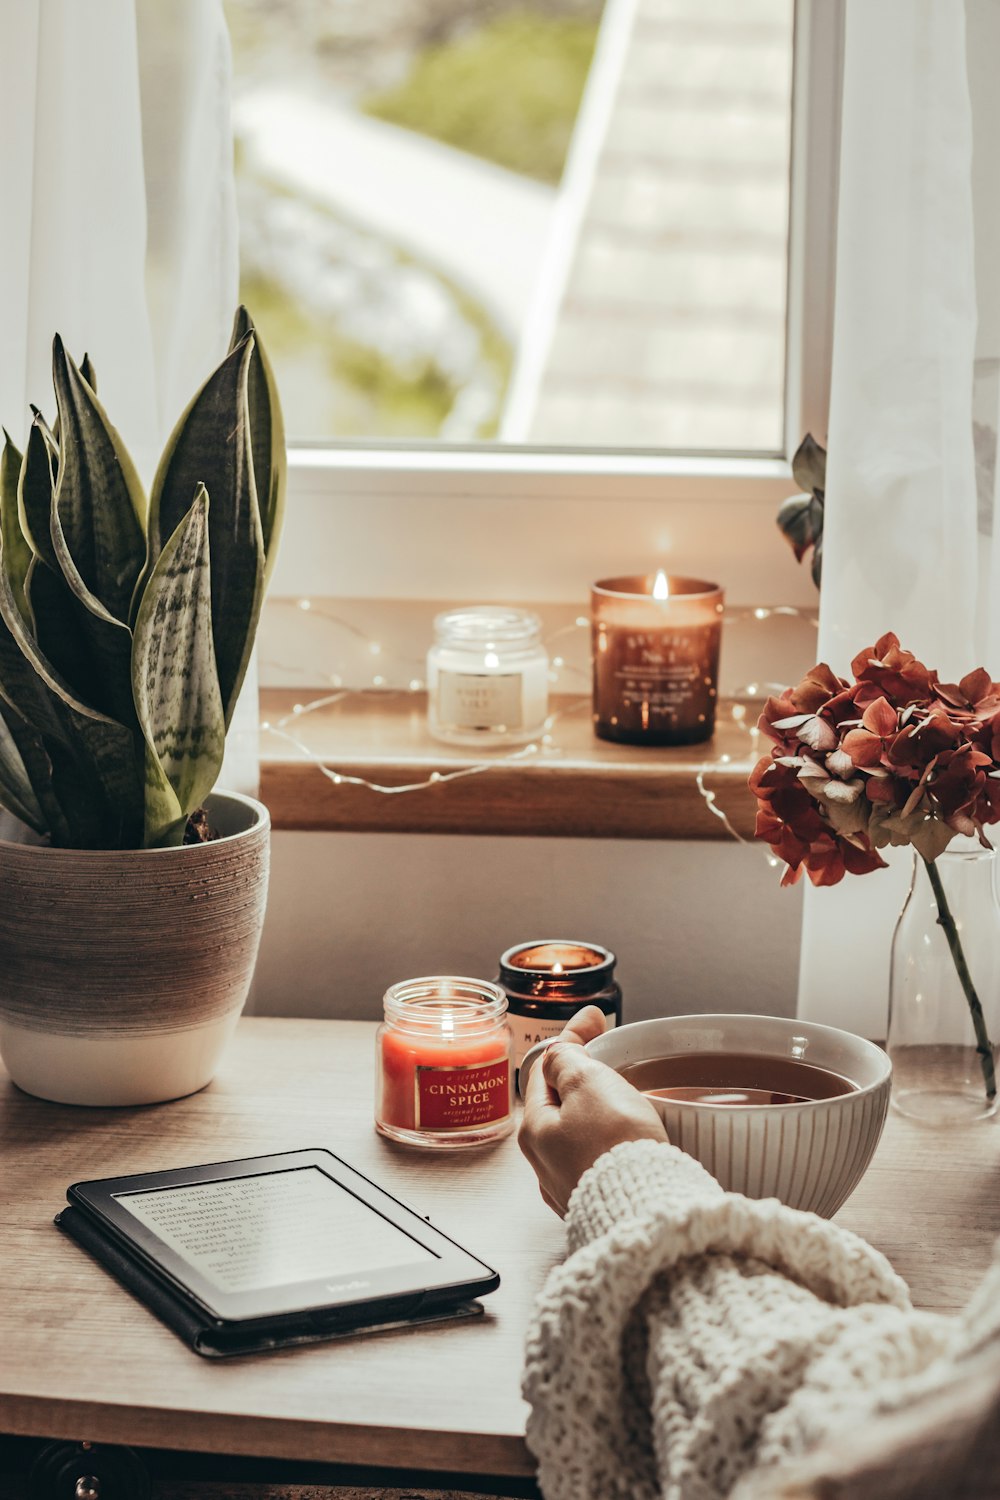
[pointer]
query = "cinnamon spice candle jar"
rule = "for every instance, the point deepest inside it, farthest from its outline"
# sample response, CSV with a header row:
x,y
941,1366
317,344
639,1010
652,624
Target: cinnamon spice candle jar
x,y
546,983
445,1076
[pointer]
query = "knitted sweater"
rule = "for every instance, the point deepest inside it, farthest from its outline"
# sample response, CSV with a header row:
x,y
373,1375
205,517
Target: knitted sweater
x,y
694,1340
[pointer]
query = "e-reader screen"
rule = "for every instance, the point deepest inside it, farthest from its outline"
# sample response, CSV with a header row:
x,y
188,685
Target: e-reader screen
x,y
245,1234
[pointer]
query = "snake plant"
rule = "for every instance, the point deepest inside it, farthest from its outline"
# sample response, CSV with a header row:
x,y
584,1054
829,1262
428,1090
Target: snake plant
x,y
126,624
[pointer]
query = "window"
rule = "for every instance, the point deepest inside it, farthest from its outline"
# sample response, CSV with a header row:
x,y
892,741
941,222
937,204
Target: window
x,y
439,475
533,220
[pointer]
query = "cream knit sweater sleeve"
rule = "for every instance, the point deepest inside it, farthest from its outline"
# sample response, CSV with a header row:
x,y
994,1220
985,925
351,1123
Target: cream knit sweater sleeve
x,y
694,1339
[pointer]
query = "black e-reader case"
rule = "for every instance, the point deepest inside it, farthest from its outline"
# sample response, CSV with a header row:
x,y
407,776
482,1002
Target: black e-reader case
x,y
440,1286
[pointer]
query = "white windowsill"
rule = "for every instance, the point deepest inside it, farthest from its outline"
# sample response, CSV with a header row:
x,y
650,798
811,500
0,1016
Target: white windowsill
x,y
519,525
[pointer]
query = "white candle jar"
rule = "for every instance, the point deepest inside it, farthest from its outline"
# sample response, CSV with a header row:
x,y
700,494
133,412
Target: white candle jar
x,y
487,676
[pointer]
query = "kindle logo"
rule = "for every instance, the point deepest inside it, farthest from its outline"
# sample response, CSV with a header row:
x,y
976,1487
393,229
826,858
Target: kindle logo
x,y
346,1286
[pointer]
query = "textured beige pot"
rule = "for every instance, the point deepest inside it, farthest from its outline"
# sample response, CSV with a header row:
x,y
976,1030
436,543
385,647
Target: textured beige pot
x,y
123,973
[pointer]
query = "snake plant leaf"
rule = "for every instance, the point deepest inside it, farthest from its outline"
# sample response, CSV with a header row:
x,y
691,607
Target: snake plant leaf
x,y
22,688
98,499
90,651
17,554
107,685
89,373
34,490
163,821
267,438
175,680
94,759
210,446
80,811
51,436
16,792
37,755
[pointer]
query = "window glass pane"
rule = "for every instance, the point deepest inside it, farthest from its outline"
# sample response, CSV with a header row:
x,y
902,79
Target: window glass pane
x,y
544,221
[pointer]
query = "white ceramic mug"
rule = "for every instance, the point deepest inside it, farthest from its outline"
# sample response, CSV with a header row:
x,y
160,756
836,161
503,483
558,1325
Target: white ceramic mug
x,y
811,1155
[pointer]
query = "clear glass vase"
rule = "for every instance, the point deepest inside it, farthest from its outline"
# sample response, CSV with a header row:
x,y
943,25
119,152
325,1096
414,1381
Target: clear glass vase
x,y
944,989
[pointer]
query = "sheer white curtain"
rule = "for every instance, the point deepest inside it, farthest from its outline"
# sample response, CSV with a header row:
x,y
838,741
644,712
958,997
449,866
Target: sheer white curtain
x,y
119,225
72,251
911,477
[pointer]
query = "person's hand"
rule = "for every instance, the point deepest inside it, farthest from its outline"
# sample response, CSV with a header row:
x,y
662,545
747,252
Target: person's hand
x,y
576,1108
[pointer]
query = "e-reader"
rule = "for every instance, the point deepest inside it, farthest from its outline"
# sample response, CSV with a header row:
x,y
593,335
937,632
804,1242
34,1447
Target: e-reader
x,y
242,1256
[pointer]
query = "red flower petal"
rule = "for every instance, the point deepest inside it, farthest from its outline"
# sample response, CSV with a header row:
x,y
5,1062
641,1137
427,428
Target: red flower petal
x,y
976,685
775,708
864,749
862,861
817,687
872,655
880,718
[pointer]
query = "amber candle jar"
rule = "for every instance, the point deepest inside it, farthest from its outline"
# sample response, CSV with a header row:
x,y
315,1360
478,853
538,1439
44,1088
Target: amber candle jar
x,y
656,659
546,983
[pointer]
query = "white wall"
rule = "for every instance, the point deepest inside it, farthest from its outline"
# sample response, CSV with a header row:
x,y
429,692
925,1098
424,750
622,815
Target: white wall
x,y
696,926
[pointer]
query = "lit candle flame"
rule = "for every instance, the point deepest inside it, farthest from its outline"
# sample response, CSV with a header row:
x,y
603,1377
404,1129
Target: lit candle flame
x,y
557,968
661,588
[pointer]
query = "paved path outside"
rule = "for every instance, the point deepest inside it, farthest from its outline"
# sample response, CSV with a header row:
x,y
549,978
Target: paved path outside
x,y
480,225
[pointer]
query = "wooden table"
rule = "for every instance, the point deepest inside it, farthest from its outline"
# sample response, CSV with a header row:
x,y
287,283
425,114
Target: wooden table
x,y
79,1359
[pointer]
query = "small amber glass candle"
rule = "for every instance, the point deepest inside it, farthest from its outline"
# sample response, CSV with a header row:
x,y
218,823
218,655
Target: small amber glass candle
x,y
548,982
444,1071
656,659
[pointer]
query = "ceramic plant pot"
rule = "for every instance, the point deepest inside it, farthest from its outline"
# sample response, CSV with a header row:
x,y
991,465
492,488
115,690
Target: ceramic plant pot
x,y
123,972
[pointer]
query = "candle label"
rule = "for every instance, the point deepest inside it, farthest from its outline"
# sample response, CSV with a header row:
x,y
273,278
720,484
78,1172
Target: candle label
x,y
462,1098
477,700
527,1030
658,680
665,671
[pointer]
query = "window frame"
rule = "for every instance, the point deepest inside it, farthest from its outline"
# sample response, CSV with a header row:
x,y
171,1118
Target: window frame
x,y
408,521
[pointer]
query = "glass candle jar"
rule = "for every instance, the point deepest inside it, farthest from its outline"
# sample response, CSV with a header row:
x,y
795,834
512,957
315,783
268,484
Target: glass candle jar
x,y
546,983
656,659
487,676
444,1073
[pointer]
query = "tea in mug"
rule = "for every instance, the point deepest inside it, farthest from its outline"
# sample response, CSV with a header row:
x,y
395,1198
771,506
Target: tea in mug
x,y
734,1078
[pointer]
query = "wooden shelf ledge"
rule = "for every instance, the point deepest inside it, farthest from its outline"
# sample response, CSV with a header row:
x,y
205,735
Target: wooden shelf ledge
x,y
577,787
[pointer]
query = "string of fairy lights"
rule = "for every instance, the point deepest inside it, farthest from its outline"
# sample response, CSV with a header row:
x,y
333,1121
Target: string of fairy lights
x,y
543,749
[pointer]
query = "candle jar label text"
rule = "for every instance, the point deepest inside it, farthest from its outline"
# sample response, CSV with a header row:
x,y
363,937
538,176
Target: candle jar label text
x,y
462,1098
656,684
474,700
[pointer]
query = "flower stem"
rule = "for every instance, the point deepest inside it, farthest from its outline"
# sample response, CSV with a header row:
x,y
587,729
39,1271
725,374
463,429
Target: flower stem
x,y
947,922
